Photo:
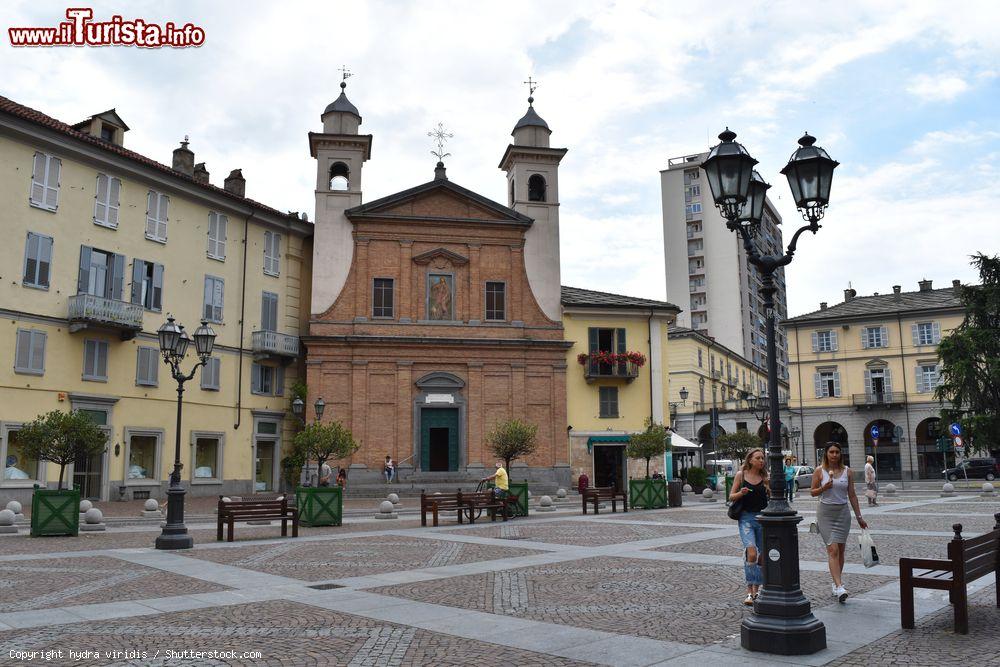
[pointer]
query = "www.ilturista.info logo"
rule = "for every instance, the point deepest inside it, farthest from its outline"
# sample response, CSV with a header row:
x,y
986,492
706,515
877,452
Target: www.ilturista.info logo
x,y
81,30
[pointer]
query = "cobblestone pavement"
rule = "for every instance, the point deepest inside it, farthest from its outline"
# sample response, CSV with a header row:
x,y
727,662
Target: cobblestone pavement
x,y
284,633
320,561
971,523
37,584
682,602
580,533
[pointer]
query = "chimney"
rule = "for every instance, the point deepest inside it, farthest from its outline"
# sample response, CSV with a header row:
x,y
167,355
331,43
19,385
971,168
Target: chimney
x,y
822,305
849,294
925,285
235,183
956,286
201,173
184,158
896,289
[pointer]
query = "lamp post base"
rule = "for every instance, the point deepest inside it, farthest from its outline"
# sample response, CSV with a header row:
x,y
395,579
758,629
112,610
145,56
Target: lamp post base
x,y
802,635
174,534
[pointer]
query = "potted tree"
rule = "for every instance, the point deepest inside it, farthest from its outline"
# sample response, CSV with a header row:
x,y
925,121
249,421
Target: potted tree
x,y
322,505
509,440
654,441
61,438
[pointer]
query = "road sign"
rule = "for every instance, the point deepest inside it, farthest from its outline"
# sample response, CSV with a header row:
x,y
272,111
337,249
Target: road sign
x,y
956,428
875,432
957,440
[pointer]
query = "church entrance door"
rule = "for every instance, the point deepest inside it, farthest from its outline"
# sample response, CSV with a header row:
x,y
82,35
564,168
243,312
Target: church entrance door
x,y
439,439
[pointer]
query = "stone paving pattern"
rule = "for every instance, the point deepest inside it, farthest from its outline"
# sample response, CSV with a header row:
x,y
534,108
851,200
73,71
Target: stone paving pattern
x,y
580,533
682,602
337,559
286,633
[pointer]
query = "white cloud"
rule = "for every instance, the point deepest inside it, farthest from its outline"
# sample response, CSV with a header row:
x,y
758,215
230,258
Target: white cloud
x,y
937,88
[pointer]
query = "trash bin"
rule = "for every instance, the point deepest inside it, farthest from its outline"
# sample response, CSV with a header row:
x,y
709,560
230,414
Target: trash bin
x,y
675,491
729,485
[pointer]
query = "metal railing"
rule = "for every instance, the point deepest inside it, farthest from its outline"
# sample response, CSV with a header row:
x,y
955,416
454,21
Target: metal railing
x,y
879,398
272,342
99,310
595,370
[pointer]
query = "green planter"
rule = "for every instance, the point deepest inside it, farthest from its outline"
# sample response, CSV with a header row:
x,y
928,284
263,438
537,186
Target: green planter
x,y
647,494
320,505
55,512
519,490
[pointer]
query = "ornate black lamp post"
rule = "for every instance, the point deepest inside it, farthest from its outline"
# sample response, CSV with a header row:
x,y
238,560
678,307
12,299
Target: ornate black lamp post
x,y
174,342
299,409
782,621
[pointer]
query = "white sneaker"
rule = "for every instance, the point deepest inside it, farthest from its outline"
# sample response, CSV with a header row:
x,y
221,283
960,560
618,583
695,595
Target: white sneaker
x,y
841,593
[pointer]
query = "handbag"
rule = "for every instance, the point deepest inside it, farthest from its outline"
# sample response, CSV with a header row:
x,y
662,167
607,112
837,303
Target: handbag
x,y
735,509
869,555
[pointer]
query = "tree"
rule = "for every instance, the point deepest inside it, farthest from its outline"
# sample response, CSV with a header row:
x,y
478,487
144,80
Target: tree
x,y
62,437
970,361
512,439
323,442
737,445
651,442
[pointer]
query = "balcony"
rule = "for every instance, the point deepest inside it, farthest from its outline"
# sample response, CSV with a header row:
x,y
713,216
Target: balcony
x,y
880,399
273,345
88,311
611,366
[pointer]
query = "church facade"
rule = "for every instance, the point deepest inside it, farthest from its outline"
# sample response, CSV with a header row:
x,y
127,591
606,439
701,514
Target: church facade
x,y
435,311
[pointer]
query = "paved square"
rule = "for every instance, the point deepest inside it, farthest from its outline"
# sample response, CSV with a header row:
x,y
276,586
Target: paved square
x,y
580,533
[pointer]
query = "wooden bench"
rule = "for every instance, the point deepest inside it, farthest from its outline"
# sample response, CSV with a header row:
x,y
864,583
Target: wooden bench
x,y
598,493
968,560
256,509
469,504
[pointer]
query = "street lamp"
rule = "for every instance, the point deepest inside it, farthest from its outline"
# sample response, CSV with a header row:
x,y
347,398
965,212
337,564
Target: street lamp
x,y
299,409
684,393
174,342
782,621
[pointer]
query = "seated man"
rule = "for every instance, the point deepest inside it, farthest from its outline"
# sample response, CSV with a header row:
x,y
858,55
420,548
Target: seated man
x,y
500,482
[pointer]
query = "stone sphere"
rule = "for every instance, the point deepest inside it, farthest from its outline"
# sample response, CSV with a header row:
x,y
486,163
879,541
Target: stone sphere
x,y
987,487
393,498
225,499
561,493
151,505
687,488
85,505
707,493
14,507
948,487
6,518
93,515
385,507
890,488
545,501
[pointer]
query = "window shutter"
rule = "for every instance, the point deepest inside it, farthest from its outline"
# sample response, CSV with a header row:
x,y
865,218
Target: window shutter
x,y
151,206
818,381
218,299
101,199
114,201
815,341
921,385
620,337
37,195
836,384
83,279
38,351
279,381
89,356
864,338
592,339
138,273
213,225
102,359
117,282
255,377
31,258
157,286
888,381
936,326
220,235
885,336
52,183
915,331
868,383
207,300
161,218
22,352
833,341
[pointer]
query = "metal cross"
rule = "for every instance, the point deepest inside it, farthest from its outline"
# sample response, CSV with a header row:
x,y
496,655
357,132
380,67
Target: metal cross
x,y
440,136
345,72
532,85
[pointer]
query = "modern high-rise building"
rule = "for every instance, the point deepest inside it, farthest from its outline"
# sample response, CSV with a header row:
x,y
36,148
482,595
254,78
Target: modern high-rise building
x,y
707,271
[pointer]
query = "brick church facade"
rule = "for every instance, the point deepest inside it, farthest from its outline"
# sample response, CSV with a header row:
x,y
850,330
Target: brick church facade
x,y
435,311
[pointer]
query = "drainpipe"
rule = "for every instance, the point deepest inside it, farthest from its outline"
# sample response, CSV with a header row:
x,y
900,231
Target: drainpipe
x,y
649,341
914,466
243,308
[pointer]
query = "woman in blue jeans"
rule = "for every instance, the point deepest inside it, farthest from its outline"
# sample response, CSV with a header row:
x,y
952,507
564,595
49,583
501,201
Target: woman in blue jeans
x,y
750,489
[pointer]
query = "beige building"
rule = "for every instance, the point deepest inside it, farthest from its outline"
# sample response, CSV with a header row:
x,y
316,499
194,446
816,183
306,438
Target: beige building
x,y
103,244
707,271
872,361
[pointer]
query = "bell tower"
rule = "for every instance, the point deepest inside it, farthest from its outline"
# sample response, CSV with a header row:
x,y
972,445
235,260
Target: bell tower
x,y
340,154
533,189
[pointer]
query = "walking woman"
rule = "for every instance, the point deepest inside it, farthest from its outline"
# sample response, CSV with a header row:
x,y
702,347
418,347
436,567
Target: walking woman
x,y
832,483
750,490
871,483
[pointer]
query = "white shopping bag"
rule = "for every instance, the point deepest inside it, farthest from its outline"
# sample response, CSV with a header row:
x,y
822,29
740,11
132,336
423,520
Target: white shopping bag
x,y
869,556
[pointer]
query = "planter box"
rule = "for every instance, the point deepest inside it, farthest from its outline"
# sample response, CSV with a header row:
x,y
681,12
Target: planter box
x,y
320,505
647,494
55,512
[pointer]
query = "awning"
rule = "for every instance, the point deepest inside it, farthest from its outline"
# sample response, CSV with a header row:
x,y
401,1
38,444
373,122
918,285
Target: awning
x,y
678,442
605,439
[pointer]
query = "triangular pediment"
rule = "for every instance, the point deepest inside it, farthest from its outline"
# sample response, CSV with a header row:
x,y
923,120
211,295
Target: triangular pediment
x,y
440,253
439,199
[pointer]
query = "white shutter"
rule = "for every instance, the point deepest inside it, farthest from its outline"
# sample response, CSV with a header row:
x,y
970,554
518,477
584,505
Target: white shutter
x,y
37,194
887,382
815,341
114,201
161,218
936,326
151,207
864,338
819,385
52,183
218,299
885,336
921,386
836,384
101,200
22,354
220,236
90,358
833,341
915,330
255,378
213,223
868,384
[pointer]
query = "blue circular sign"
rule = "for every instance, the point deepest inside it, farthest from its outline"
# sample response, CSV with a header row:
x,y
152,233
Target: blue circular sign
x,y
875,432
956,428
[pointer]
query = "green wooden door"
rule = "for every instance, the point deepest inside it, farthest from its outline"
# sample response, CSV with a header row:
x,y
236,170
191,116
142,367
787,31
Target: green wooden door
x,y
439,430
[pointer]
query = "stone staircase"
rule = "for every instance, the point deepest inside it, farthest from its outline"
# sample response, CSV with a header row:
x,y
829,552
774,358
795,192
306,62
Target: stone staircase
x,y
410,484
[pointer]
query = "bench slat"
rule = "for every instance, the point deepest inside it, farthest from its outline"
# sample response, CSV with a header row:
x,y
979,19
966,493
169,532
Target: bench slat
x,y
932,564
979,549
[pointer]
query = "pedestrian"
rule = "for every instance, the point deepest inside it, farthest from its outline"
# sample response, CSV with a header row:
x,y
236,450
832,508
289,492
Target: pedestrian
x,y
750,490
871,492
389,469
325,475
789,479
500,484
582,483
342,478
832,483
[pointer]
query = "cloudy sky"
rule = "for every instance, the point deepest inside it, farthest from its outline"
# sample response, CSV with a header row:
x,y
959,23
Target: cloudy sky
x,y
904,95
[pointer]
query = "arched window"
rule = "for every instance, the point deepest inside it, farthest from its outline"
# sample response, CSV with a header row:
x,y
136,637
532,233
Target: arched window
x,y
536,187
339,174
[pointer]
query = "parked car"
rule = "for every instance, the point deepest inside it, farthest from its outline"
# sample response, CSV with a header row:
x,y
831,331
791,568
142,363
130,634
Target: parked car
x,y
984,468
803,477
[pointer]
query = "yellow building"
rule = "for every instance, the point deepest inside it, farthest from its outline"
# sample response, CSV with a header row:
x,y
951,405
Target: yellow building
x,y
872,361
706,376
607,400
104,243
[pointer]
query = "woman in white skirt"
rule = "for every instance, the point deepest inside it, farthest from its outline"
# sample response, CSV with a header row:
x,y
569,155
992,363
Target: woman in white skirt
x,y
832,483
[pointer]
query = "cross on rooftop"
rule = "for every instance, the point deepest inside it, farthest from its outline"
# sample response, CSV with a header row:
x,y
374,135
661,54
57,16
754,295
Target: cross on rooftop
x,y
440,136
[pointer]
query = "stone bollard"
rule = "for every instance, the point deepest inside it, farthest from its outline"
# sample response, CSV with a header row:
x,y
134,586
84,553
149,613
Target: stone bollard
x,y
545,504
93,520
890,489
15,507
84,506
687,489
707,496
7,522
386,511
151,510
394,499
988,490
560,495
947,490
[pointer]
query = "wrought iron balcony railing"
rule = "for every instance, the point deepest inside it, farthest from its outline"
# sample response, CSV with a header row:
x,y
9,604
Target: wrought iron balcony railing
x,y
272,343
87,309
879,398
596,370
